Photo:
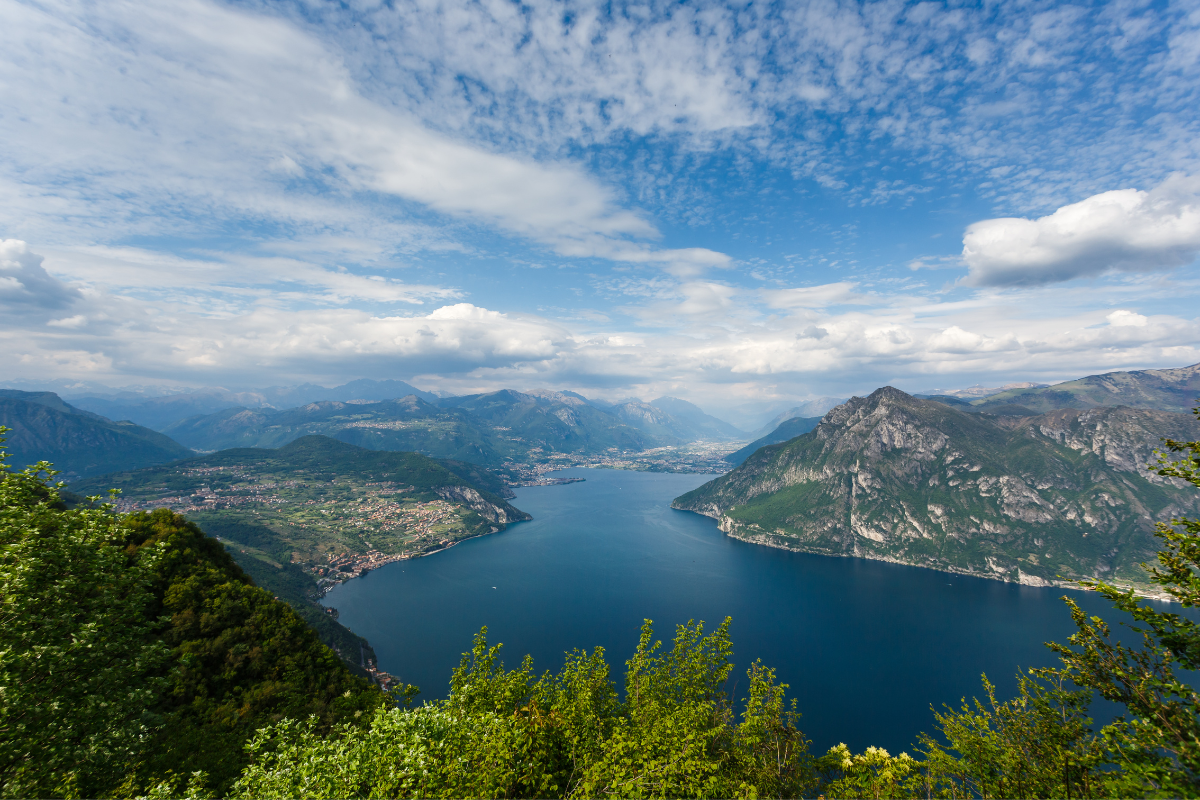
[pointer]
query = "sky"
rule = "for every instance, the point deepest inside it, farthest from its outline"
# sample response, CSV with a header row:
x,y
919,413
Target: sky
x,y
743,205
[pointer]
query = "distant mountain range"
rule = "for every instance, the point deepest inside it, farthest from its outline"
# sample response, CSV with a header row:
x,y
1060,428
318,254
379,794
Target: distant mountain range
x,y
817,407
1035,499
159,412
77,442
788,429
490,429
1162,389
979,391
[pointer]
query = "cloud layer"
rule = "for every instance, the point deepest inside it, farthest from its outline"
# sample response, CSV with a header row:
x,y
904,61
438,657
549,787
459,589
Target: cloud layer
x,y
1119,231
709,200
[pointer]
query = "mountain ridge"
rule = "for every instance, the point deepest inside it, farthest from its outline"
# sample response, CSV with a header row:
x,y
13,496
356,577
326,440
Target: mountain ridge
x,y
79,443
1174,389
1037,500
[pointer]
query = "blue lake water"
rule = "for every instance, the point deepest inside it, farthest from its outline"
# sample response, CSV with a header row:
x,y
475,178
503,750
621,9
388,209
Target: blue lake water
x,y
867,646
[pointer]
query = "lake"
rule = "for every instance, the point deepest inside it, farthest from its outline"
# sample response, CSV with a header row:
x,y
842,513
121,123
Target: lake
x,y
866,646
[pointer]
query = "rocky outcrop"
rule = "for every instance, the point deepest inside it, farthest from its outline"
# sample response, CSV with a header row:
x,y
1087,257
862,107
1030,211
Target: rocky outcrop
x,y
497,512
1037,500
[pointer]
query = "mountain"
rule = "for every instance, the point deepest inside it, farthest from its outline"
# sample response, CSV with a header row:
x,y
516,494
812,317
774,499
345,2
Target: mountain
x,y
361,389
1162,389
651,420
788,429
317,510
79,443
917,482
161,411
489,429
699,424
817,407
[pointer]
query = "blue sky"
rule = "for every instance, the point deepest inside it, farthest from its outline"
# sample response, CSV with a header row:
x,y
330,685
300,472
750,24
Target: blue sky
x,y
743,205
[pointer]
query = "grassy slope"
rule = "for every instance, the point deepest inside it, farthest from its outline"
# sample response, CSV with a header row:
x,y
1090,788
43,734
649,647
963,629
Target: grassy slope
x,y
80,444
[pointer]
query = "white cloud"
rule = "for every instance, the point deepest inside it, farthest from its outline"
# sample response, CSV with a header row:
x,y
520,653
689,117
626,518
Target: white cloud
x,y
24,284
1124,318
1119,231
202,110
829,294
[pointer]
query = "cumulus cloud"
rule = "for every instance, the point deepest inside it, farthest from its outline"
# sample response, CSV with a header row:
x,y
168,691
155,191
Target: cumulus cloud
x,y
1126,230
24,283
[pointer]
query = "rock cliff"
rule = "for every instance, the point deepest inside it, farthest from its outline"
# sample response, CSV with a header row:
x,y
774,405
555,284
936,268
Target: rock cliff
x,y
1038,499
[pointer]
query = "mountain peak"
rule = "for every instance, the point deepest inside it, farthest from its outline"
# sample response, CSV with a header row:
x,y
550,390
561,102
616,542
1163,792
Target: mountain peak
x,y
898,478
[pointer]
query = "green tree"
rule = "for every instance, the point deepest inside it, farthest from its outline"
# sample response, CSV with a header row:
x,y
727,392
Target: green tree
x,y
1157,741
80,668
1042,743
135,655
239,658
503,734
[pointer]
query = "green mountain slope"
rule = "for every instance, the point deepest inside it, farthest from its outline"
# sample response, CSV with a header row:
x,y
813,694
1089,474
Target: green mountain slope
x,y
489,429
136,651
917,482
78,443
317,511
1162,389
788,429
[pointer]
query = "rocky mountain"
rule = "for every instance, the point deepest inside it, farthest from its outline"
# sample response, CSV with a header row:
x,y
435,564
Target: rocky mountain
x,y
788,429
1162,389
489,429
1034,499
651,420
77,442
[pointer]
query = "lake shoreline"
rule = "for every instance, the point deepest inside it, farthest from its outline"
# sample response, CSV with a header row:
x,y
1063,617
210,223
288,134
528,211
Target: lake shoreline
x,y
724,524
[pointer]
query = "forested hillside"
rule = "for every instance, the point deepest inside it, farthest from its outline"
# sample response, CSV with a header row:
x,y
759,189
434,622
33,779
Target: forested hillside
x,y
133,650
317,511
43,427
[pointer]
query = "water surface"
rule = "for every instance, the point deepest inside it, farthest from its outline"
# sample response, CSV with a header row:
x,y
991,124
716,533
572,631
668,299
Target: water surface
x,y
866,646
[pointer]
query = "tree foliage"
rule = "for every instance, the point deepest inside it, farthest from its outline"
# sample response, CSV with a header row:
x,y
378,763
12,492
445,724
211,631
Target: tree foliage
x,y
135,652
504,734
80,668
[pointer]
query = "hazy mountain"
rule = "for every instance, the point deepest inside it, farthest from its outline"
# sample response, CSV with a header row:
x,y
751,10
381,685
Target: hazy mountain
x,y
1162,389
651,420
788,429
487,429
161,411
362,389
817,407
78,443
699,424
917,482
